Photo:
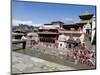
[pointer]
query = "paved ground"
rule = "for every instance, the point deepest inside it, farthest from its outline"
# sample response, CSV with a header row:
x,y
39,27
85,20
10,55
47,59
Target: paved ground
x,y
22,63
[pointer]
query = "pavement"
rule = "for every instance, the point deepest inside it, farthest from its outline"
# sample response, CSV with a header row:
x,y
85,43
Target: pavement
x,y
22,63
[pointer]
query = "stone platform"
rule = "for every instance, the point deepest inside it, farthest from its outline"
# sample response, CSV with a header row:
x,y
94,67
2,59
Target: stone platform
x,y
22,63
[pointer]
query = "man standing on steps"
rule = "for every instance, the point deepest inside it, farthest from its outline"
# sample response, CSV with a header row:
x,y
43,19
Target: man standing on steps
x,y
24,38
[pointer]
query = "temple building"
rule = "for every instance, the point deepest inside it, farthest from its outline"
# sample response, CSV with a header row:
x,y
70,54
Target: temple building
x,y
62,41
17,33
48,34
86,20
70,34
78,31
60,35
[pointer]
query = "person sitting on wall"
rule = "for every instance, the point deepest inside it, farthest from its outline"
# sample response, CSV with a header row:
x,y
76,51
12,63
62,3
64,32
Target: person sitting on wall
x,y
24,39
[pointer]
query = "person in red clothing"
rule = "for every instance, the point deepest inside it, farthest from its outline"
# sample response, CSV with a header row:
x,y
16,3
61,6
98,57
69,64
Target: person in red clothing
x,y
83,54
80,57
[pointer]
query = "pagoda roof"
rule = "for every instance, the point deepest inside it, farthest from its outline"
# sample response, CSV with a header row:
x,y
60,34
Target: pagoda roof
x,y
86,16
52,23
57,22
76,26
48,24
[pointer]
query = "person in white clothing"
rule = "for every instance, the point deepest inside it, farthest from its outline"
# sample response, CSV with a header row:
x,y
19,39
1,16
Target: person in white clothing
x,y
24,42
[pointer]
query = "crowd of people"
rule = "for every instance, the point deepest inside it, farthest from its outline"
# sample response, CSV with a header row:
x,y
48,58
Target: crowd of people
x,y
82,56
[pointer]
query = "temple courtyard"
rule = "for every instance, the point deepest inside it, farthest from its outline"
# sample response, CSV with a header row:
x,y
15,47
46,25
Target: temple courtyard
x,y
22,63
